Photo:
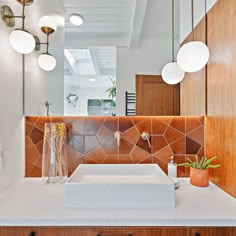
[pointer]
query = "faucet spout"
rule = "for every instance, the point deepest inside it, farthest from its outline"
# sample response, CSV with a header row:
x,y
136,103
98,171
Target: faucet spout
x,y
117,135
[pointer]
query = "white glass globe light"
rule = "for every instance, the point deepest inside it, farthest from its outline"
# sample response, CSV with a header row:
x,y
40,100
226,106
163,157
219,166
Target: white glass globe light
x,y
76,19
47,21
172,73
193,56
22,41
47,62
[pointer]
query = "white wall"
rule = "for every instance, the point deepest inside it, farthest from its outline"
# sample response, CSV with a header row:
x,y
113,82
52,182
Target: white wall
x,y
186,14
149,58
11,107
84,93
41,86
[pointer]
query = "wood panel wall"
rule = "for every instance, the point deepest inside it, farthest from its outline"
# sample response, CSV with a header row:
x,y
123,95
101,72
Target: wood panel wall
x,y
192,88
221,102
220,92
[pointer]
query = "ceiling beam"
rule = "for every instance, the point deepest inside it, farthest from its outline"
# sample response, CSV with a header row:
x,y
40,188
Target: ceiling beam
x,y
137,24
95,62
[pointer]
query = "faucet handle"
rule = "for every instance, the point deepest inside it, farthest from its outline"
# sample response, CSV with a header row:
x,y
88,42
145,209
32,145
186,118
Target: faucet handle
x,y
146,136
117,135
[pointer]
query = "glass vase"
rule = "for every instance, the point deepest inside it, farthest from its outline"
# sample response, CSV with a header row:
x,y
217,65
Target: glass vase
x,y
54,163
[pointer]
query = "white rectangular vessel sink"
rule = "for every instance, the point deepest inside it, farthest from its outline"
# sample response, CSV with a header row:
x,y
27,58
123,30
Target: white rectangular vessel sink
x,y
119,186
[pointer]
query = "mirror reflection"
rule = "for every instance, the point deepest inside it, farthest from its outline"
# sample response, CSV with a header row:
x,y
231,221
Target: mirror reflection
x,y
90,81
101,54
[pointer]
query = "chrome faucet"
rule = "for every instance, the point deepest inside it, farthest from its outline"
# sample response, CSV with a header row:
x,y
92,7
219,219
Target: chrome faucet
x,y
117,135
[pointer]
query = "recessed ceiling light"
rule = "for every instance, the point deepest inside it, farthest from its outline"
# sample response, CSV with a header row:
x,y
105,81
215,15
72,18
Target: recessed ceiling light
x,y
92,79
76,19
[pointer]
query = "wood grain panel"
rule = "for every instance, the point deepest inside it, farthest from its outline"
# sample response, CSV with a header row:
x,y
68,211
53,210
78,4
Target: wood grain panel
x,y
155,97
221,120
25,231
8,231
193,87
212,231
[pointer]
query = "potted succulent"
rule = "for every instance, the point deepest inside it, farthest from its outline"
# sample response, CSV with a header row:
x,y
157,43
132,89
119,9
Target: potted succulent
x,y
199,170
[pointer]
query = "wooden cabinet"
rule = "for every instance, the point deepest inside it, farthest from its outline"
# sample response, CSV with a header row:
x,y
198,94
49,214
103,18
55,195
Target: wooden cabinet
x,y
212,231
20,231
113,231
118,231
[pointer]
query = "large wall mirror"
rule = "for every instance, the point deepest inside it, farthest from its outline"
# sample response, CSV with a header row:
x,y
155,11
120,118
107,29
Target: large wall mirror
x,y
97,62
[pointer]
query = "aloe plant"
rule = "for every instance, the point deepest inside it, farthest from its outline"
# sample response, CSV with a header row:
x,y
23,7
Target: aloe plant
x,y
202,164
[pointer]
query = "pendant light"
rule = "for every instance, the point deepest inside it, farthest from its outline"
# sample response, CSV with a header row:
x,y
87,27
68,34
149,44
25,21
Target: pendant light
x,y
46,61
193,56
171,72
21,40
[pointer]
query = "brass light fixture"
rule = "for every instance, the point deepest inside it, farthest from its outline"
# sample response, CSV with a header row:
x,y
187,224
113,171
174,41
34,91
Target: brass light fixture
x,y
48,26
21,40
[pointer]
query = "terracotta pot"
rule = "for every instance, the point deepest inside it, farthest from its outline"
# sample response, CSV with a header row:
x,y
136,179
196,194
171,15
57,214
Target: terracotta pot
x,y
199,178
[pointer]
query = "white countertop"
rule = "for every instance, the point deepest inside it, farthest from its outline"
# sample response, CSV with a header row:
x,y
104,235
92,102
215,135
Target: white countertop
x,y
31,203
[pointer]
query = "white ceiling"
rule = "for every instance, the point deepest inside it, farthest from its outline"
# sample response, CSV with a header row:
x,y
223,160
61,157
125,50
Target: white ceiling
x,y
112,22
95,62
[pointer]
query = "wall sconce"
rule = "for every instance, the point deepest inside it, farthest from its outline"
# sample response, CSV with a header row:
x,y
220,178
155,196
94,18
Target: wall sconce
x,y
46,61
21,40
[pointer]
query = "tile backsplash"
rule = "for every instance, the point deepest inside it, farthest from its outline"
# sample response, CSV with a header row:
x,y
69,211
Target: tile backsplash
x,y
91,140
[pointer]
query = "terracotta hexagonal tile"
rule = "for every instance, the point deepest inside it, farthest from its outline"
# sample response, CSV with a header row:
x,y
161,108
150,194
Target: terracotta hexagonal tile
x,y
178,147
57,119
139,155
132,135
158,143
31,151
39,147
143,144
148,160
165,119
197,135
73,155
31,119
158,128
178,123
98,119
172,135
191,146
78,126
91,127
164,154
70,119
111,123
28,128
125,147
144,126
111,147
111,159
104,135
192,123
125,123
40,124
98,155
36,135
28,168
138,119
77,142
125,159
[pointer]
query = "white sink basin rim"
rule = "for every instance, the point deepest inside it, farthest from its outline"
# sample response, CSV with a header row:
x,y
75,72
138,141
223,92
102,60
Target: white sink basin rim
x,y
119,186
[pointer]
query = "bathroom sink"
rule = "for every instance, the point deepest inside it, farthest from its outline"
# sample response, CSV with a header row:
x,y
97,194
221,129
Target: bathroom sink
x,y
119,186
